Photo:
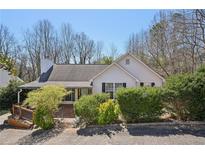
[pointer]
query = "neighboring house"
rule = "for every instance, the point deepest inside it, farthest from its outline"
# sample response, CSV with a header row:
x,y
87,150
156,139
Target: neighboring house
x,y
5,77
126,71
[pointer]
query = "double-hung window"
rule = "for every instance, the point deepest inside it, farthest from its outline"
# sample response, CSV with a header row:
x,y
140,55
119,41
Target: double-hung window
x,y
111,88
118,85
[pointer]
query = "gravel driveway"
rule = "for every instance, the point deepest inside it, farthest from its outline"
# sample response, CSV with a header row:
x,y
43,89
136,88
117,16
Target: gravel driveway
x,y
153,133
133,134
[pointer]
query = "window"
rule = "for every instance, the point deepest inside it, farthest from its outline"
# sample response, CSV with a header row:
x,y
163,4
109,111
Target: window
x,y
84,91
152,84
118,85
71,96
127,61
141,84
109,89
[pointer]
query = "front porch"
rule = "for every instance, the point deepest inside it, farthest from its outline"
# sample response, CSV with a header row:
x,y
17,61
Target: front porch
x,y
75,94
66,109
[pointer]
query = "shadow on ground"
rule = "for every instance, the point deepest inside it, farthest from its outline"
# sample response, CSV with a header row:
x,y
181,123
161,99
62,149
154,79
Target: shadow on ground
x,y
5,126
100,130
166,130
39,136
145,130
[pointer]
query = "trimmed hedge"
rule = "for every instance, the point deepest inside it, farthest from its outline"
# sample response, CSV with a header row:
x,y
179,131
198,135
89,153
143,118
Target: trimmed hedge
x,y
86,108
140,104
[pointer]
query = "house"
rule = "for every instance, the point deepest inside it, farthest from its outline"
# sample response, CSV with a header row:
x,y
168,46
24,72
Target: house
x,y
126,71
5,77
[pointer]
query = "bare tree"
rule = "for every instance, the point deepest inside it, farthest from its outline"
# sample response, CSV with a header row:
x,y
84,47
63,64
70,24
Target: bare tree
x,y
84,49
113,50
7,42
41,41
67,42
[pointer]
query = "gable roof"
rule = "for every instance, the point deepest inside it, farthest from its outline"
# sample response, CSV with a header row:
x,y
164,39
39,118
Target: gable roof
x,y
72,72
149,68
114,63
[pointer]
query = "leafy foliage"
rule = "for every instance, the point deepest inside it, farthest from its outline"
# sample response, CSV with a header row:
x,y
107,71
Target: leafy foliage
x,y
184,95
8,95
7,64
46,101
43,118
49,96
86,108
174,96
108,112
106,60
140,104
195,94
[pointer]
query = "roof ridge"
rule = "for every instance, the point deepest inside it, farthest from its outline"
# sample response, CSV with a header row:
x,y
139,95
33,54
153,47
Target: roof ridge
x,y
83,64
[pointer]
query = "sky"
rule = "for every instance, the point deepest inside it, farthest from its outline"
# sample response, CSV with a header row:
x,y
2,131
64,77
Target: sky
x,y
108,26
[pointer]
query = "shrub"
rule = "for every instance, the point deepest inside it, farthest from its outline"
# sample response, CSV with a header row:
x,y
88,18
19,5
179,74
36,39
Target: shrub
x,y
8,95
139,104
195,94
86,108
108,112
175,97
101,98
43,118
184,95
45,101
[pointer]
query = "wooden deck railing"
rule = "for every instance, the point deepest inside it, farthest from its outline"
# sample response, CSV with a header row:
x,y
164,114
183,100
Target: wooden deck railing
x,y
22,112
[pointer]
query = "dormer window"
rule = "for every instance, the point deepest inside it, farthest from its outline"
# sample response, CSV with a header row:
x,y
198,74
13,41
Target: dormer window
x,y
127,61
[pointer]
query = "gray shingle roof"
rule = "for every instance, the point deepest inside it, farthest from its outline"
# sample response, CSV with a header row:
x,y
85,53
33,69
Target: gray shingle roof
x,y
67,75
66,84
74,72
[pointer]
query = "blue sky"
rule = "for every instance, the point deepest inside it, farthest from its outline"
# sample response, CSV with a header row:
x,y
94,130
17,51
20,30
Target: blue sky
x,y
108,26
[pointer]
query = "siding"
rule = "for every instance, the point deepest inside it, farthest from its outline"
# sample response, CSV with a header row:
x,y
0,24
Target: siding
x,y
113,75
140,71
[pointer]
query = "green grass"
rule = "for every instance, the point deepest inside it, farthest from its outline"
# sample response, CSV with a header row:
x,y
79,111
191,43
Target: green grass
x,y
3,112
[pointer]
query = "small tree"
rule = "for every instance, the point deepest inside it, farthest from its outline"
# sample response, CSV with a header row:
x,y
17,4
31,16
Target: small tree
x,y
45,101
8,95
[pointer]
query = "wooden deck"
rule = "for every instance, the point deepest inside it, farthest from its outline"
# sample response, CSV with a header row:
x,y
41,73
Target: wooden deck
x,y
22,112
65,111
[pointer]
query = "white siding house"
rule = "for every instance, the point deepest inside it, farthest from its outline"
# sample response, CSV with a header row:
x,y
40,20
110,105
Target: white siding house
x,y
113,74
141,71
85,79
82,79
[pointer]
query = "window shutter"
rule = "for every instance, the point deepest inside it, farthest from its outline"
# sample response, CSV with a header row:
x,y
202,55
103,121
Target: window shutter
x,y
124,85
103,87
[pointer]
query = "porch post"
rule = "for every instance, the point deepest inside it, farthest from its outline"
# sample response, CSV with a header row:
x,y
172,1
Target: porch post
x,y
76,94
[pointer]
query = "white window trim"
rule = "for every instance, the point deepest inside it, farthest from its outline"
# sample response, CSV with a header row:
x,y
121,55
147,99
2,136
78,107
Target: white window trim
x,y
113,89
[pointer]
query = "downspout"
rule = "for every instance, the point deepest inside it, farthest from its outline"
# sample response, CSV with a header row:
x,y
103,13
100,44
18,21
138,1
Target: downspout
x,y
19,96
19,102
